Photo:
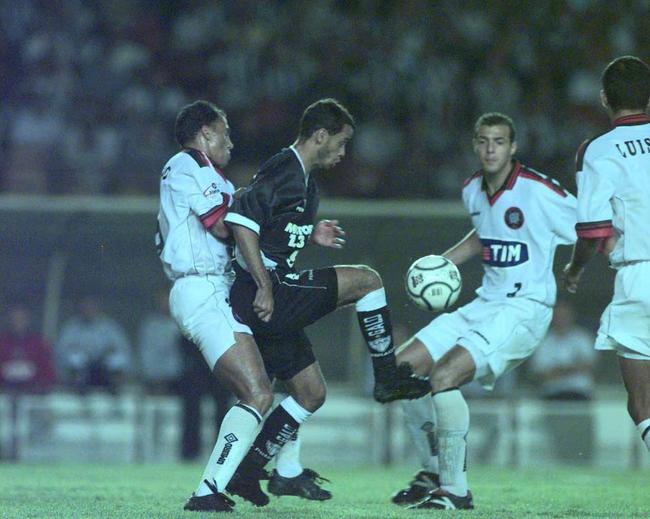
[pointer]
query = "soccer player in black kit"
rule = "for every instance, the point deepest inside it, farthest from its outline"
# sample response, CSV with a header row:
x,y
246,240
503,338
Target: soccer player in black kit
x,y
272,220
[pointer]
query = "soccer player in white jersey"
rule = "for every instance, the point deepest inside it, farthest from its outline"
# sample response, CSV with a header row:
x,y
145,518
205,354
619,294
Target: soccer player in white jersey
x,y
519,217
194,247
613,178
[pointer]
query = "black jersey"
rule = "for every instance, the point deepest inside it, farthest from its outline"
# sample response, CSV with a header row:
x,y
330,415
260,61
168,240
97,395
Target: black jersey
x,y
280,205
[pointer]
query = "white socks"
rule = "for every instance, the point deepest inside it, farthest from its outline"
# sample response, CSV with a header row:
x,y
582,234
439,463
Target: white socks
x,y
453,424
236,435
644,431
372,301
297,412
287,461
420,421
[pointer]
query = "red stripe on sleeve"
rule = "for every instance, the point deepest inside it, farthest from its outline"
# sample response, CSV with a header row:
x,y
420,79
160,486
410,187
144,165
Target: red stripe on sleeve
x,y
213,215
592,230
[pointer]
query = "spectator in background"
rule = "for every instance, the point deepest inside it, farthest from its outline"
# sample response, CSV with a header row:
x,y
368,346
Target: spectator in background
x,y
159,349
564,365
26,363
424,66
93,349
564,362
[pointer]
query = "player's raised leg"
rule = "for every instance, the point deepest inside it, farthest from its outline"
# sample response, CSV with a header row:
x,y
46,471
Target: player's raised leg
x,y
363,286
636,376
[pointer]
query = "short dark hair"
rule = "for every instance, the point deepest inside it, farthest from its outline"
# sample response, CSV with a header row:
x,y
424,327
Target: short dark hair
x,y
193,117
626,82
495,119
325,113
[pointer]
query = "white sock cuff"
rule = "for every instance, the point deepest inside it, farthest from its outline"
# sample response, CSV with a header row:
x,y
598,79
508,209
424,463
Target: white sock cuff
x,y
644,429
297,412
251,410
372,301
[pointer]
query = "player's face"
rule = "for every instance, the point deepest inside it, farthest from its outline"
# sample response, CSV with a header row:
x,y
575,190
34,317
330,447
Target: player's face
x,y
333,148
494,149
218,142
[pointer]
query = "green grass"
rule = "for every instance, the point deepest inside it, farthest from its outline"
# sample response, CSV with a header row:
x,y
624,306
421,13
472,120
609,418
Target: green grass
x,y
152,491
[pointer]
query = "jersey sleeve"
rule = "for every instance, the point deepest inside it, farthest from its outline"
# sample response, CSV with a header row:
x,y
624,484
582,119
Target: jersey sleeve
x,y
253,208
560,209
594,193
206,195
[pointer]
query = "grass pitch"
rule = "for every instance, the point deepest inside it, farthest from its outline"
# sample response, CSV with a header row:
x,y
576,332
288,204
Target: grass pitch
x,y
159,491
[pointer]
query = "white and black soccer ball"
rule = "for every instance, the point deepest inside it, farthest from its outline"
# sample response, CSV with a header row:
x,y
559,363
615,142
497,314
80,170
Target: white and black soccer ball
x,y
433,283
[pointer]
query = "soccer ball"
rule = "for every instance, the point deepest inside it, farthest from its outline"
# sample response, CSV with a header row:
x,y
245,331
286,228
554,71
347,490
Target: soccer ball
x,y
433,283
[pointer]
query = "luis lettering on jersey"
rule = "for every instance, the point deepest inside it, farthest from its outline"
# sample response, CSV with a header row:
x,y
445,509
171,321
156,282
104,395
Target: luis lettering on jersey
x,y
632,147
501,253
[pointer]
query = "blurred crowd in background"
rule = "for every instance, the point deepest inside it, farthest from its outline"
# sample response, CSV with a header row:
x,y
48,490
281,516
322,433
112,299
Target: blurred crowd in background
x,y
90,89
94,352
94,355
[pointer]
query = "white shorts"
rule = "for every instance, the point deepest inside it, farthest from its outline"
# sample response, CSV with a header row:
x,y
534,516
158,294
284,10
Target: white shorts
x,y
625,323
200,306
498,334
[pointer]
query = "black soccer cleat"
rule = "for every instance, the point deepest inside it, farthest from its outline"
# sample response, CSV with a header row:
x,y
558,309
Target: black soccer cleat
x,y
422,483
245,483
402,385
216,502
440,499
305,485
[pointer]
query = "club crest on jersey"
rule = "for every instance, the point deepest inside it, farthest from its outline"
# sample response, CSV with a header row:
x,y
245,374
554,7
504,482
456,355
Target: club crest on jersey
x,y
501,253
211,190
514,217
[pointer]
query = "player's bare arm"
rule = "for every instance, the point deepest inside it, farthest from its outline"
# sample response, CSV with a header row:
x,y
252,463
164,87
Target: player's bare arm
x,y
328,233
584,250
465,249
249,246
219,230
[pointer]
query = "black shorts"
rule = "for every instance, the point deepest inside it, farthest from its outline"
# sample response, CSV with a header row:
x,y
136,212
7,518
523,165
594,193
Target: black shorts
x,y
300,299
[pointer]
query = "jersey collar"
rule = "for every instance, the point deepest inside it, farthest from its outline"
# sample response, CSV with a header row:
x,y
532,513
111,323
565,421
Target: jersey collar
x,y
508,184
203,159
302,165
631,120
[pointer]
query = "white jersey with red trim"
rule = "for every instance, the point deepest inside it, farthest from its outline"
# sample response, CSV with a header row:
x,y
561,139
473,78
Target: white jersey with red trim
x,y
613,178
194,194
520,226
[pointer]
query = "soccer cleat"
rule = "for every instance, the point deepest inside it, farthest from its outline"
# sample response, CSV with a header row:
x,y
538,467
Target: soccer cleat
x,y
440,499
422,483
216,502
245,483
403,384
305,485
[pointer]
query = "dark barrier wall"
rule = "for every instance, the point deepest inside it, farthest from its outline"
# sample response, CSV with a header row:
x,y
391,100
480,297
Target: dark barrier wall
x,y
106,246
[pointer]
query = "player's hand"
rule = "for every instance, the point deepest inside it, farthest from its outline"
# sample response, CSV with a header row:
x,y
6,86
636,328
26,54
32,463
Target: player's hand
x,y
607,245
328,234
263,303
571,277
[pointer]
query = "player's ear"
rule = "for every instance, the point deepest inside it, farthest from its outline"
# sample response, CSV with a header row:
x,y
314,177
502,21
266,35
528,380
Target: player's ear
x,y
513,148
603,100
320,135
206,132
